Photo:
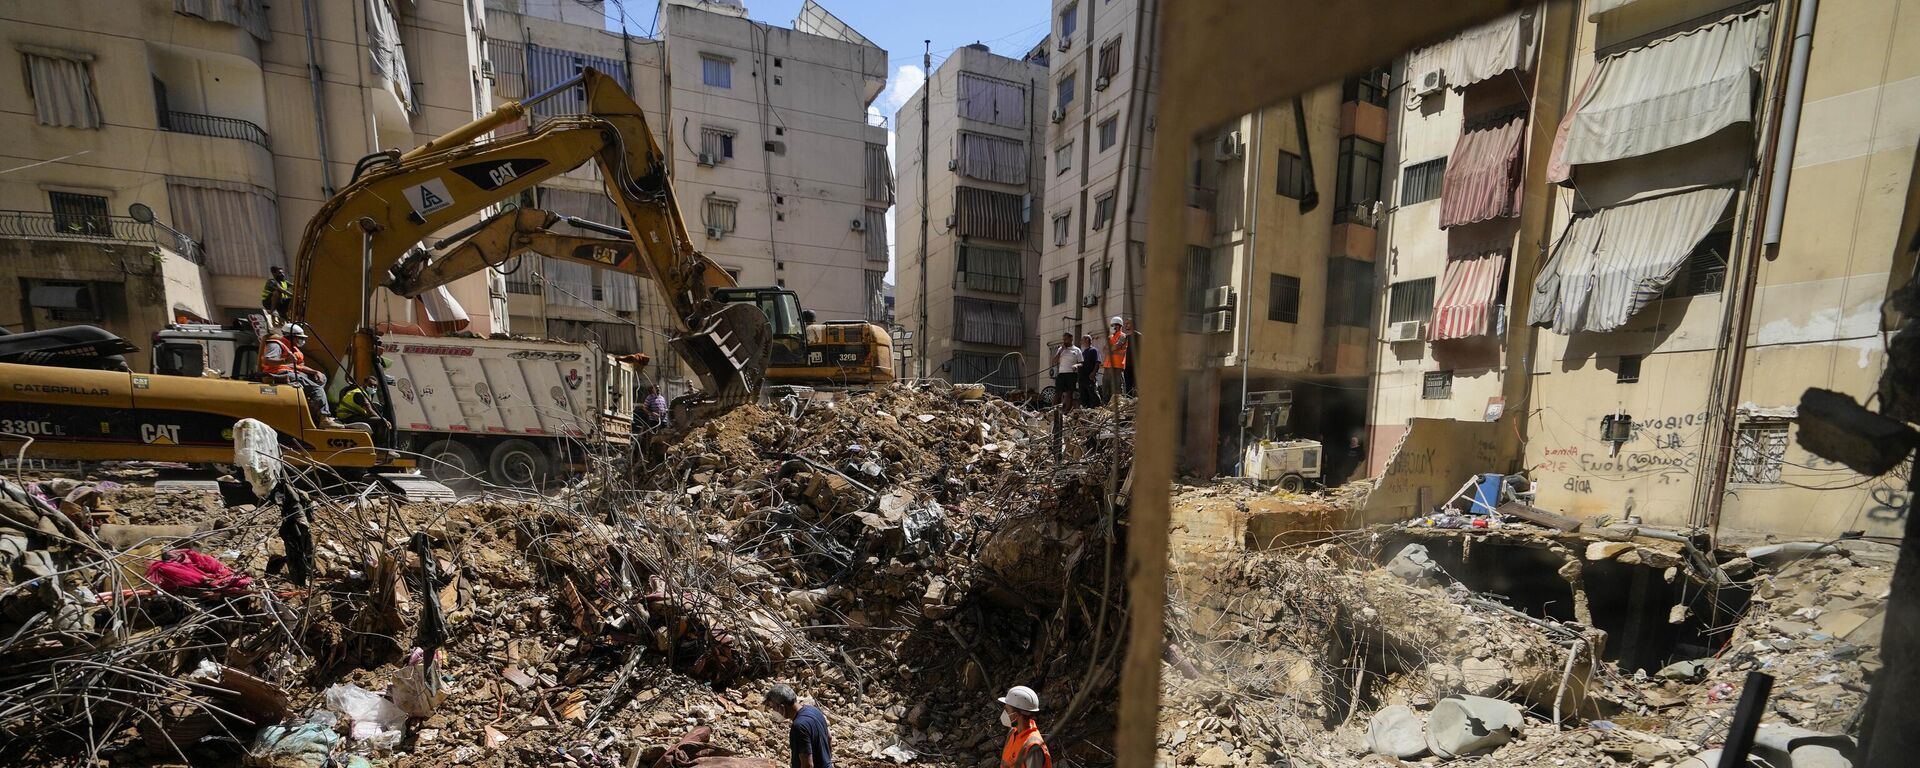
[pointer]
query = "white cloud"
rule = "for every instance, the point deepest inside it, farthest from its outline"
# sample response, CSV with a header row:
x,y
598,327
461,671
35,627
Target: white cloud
x,y
900,87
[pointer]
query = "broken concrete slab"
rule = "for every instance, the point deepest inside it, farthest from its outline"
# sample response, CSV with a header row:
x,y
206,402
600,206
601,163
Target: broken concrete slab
x,y
1398,732
1465,725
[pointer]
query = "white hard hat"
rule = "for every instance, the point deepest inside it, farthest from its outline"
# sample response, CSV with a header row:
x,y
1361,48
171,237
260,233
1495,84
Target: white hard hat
x,y
1022,698
296,330
1115,321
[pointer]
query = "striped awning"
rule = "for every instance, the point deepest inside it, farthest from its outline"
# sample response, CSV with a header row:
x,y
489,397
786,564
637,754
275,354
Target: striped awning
x,y
989,214
1468,293
1483,175
1613,261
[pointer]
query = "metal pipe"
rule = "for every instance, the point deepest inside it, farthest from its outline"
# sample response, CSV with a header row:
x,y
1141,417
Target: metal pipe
x,y
926,97
1251,191
1783,147
319,106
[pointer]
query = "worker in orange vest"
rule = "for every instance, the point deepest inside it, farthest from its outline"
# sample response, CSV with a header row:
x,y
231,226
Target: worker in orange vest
x,y
283,363
1119,344
1025,748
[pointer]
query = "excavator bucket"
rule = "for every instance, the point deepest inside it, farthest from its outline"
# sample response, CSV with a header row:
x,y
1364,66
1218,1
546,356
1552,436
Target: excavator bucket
x,y
728,350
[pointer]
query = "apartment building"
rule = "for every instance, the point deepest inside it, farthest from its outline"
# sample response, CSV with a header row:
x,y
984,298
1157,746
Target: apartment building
x,y
1643,298
1100,93
204,112
970,293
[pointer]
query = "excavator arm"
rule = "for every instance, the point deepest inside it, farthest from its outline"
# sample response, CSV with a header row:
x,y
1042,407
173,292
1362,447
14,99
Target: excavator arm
x,y
398,200
501,237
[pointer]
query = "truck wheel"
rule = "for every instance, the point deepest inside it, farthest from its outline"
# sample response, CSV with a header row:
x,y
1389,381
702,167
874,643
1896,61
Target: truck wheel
x,y
1292,483
517,464
450,463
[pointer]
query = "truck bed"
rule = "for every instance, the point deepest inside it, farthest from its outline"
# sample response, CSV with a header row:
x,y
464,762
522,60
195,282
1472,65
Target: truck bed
x,y
494,386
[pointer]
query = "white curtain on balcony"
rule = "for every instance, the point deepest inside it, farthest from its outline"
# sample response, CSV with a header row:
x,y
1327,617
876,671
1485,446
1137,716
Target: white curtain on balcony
x,y
879,174
389,56
62,87
237,224
250,15
876,221
1613,261
1674,91
1490,49
991,158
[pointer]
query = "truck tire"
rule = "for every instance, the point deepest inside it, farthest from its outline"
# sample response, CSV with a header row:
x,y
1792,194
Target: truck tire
x,y
517,464
450,463
1293,483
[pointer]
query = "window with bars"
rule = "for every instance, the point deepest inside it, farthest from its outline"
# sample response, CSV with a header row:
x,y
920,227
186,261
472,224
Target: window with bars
x,y
80,214
993,270
1110,59
1705,269
716,71
1349,292
1291,176
1062,228
1058,290
1357,180
722,215
1410,300
979,321
1629,370
1103,210
1063,92
1759,450
1369,88
1436,385
1199,277
1063,159
1109,132
1283,298
717,143
1421,182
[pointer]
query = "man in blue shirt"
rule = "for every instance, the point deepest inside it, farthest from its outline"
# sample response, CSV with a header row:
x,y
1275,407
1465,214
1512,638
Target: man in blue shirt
x,y
812,747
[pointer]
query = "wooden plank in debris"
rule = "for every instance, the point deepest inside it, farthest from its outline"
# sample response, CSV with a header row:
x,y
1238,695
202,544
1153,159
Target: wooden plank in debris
x,y
1539,516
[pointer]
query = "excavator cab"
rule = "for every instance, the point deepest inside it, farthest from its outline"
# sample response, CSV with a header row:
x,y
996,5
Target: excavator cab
x,y
782,308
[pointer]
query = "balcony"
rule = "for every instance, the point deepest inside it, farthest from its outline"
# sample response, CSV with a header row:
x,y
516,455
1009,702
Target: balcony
x,y
217,127
38,225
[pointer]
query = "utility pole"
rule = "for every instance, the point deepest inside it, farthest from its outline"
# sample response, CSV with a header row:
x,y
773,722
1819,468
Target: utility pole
x,y
926,99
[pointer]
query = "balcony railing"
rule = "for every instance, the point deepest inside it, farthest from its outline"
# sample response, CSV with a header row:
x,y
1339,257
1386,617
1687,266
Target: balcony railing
x,y
217,127
39,225
981,281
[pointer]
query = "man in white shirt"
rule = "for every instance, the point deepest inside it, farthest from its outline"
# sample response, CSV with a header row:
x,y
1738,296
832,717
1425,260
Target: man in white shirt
x,y
1066,373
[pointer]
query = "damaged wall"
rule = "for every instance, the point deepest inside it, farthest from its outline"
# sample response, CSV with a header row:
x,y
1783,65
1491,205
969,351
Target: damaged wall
x,y
1431,462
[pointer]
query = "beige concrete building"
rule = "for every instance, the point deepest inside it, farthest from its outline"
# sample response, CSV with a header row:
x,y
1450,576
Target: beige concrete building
x,y
1691,277
971,294
204,111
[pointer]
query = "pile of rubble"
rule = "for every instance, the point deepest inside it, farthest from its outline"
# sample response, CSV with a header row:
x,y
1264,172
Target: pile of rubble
x,y
900,557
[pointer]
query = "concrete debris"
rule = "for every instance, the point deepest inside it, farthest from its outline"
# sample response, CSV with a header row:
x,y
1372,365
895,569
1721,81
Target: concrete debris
x,y
1465,725
1397,731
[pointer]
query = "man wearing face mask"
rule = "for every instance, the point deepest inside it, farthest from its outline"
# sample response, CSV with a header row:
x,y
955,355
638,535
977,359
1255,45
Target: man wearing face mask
x,y
812,747
1025,748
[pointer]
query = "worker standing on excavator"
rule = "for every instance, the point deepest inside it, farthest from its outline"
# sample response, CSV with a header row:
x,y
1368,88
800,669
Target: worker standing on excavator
x,y
276,297
283,363
1025,748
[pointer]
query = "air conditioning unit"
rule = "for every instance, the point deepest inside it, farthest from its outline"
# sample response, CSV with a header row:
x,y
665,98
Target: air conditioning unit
x,y
1217,322
1100,83
705,159
486,69
859,225
1430,83
714,233
1091,300
1059,114
1066,43
952,220
1220,297
1406,330
1230,147
953,164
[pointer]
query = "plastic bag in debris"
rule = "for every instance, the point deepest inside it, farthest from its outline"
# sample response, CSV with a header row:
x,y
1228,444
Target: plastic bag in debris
x,y
416,689
302,744
376,720
256,450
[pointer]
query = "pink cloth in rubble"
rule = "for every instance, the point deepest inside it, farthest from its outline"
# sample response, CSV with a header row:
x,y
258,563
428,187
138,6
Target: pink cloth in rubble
x,y
185,570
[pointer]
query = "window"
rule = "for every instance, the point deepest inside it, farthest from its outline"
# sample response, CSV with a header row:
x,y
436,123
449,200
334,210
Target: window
x,y
1436,385
61,85
1069,20
1109,132
1705,270
1199,277
1064,92
1759,448
980,321
1357,185
992,270
1283,298
1421,182
990,100
1103,210
1109,61
1059,290
716,143
989,214
1629,371
1369,88
1063,159
990,158
1001,373
1291,173
1062,227
78,214
721,215
1410,300
1097,278
716,71
1349,292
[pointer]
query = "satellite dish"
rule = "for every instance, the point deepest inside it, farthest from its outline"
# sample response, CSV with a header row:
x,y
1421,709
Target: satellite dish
x,y
140,213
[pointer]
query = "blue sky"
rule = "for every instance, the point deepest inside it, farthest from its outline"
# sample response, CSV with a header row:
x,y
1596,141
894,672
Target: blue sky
x,y
1010,27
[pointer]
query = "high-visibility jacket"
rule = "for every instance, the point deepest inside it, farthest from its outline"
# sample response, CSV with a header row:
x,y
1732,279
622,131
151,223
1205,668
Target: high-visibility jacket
x,y
275,292
281,355
355,405
1117,346
1020,742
